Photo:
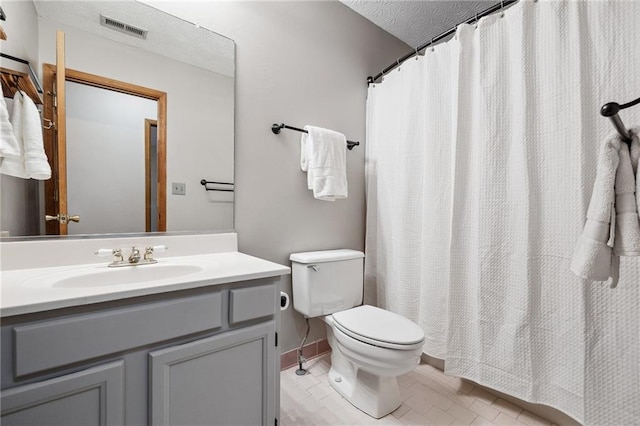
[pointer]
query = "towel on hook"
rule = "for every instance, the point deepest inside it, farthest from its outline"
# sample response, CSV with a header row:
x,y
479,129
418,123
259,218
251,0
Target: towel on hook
x,y
9,146
13,165
627,227
608,233
36,163
323,155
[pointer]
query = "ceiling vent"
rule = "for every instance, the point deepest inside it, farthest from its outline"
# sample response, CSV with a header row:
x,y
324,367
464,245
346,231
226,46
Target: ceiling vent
x,y
114,24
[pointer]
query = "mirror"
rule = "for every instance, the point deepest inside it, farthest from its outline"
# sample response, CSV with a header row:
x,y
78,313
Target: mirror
x,y
192,65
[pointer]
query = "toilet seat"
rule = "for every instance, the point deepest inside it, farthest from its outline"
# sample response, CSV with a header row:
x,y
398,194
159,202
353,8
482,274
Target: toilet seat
x,y
379,327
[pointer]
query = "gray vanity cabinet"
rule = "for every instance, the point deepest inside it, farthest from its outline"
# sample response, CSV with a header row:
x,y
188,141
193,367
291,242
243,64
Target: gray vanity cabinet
x,y
94,396
225,377
203,356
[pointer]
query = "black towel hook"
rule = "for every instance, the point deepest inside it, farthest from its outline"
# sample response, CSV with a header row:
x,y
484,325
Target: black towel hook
x,y
611,109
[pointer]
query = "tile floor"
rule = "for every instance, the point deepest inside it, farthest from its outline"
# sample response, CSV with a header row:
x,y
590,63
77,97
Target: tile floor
x,y
431,398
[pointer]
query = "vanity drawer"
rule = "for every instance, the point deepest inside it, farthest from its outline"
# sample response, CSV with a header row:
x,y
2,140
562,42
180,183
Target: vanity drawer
x,y
253,302
52,344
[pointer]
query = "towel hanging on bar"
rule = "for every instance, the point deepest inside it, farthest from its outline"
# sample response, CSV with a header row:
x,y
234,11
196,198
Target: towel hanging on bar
x,y
275,128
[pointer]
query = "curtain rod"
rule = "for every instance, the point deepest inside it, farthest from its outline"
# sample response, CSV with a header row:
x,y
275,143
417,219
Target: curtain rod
x,y
445,34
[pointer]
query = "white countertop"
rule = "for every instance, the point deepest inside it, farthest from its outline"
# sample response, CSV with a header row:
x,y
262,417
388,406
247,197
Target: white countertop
x,y
30,290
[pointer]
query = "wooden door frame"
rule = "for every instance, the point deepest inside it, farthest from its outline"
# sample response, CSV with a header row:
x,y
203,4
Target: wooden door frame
x,y
49,74
148,124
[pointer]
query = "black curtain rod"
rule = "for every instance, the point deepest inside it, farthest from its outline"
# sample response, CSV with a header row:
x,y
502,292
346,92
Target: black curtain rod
x,y
445,34
275,128
611,109
32,73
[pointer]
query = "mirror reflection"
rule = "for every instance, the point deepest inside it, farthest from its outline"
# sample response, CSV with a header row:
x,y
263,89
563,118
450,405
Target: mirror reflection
x,y
106,127
125,164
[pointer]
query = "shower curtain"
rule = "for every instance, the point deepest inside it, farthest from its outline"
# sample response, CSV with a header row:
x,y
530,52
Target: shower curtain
x,y
480,160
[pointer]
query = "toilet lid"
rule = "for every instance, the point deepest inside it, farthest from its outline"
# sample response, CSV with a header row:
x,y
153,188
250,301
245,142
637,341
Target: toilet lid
x,y
379,327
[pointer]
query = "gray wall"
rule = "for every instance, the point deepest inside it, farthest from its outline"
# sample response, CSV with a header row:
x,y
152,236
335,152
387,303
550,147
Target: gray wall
x,y
298,63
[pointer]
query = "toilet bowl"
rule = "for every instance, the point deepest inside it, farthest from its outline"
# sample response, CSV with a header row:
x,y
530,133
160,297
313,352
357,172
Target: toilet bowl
x,y
365,363
370,347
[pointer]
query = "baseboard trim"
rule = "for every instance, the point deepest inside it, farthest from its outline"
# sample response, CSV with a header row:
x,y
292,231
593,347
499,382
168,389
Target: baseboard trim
x,y
311,350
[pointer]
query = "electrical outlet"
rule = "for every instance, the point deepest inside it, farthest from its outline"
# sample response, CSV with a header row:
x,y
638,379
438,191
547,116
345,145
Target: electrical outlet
x,y
179,188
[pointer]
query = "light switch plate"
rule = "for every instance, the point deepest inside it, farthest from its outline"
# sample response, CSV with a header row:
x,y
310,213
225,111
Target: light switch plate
x,y
178,188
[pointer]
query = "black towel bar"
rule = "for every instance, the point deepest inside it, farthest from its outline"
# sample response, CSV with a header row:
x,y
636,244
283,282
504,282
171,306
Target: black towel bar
x,y
275,128
204,183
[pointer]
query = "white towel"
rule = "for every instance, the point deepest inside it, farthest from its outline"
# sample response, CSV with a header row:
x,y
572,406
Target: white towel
x,y
35,160
14,165
9,146
323,155
627,226
608,234
635,160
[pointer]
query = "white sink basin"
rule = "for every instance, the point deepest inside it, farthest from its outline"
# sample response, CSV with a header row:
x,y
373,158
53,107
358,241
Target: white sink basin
x,y
39,289
106,277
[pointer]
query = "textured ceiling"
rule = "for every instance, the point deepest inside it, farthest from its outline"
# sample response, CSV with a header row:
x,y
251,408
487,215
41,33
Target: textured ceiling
x,y
417,21
168,36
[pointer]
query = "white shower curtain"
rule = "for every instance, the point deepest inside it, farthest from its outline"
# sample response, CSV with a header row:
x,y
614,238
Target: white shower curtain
x,y
480,160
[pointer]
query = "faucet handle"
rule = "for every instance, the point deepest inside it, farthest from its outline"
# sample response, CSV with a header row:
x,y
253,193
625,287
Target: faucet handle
x,y
148,251
117,253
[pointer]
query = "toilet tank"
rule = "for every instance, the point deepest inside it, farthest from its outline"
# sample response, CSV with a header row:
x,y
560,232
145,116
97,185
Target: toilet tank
x,y
326,281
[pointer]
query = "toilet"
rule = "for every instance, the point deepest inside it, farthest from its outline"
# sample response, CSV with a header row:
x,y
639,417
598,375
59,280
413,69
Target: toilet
x,y
370,346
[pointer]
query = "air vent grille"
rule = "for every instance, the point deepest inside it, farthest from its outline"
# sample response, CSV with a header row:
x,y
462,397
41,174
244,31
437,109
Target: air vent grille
x,y
123,27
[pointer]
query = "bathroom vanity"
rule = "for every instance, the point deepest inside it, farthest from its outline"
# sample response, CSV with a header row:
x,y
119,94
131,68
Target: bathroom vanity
x,y
198,348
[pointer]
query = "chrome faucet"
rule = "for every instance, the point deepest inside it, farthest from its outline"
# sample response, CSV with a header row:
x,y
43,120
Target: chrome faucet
x,y
134,257
148,253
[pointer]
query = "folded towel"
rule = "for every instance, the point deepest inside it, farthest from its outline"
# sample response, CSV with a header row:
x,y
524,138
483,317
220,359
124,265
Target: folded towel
x,y
35,160
608,234
9,146
323,155
14,165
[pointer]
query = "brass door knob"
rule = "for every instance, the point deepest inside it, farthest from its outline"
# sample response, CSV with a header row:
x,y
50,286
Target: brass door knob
x,y
49,218
62,218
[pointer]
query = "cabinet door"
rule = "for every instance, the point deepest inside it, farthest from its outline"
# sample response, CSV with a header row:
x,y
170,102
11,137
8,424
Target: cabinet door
x,y
227,379
90,397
